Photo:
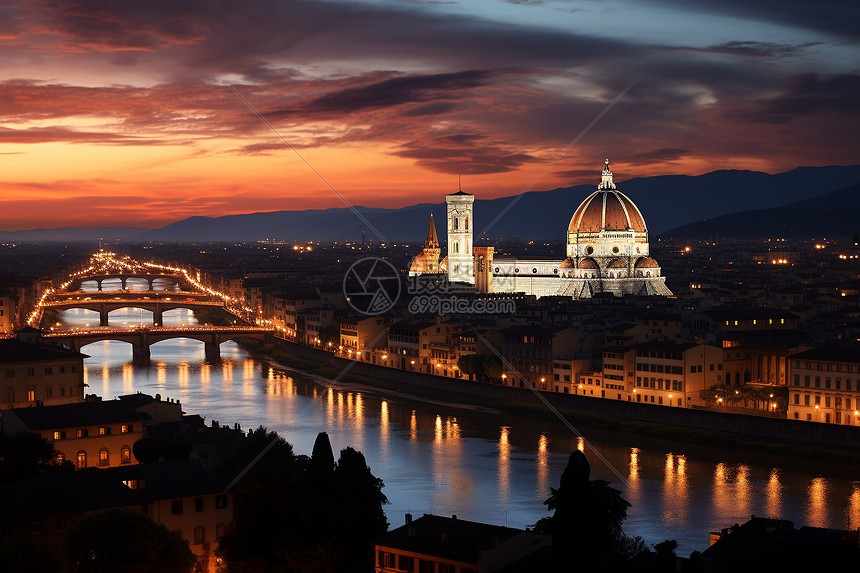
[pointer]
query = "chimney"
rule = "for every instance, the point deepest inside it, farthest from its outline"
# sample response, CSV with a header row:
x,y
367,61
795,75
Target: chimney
x,y
408,518
454,516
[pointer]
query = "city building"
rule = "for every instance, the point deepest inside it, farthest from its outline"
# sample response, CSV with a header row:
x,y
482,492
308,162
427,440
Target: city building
x,y
607,252
763,544
825,385
94,433
36,373
180,495
438,544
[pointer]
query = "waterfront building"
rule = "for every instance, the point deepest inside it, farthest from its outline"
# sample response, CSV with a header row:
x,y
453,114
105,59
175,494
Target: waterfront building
x,y
607,252
34,372
825,385
435,543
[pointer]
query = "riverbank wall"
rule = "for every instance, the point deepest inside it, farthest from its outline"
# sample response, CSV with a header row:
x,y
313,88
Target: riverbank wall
x,y
718,428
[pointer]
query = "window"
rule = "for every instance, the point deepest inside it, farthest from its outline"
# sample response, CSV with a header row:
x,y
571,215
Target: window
x,y
49,371
82,433
125,455
220,501
199,535
31,395
220,530
62,389
31,371
49,392
126,428
405,563
82,460
104,430
59,458
104,457
797,399
10,373
386,559
198,504
806,399
797,379
426,566
176,507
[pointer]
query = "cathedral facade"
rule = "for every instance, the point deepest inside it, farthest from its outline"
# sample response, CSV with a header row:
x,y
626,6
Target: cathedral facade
x,y
607,251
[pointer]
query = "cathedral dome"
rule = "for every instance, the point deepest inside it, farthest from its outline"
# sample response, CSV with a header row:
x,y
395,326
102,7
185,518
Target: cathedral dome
x,y
616,264
566,263
588,264
647,263
420,264
607,209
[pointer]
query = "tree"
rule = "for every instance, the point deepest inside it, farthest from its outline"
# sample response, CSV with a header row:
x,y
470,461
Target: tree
x,y
586,527
124,541
24,455
322,460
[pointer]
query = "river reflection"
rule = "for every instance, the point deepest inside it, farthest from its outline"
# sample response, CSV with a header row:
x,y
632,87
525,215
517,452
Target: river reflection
x,y
482,467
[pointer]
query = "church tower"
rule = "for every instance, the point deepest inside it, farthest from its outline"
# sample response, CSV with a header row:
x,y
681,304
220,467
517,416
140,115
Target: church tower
x,y
460,224
427,261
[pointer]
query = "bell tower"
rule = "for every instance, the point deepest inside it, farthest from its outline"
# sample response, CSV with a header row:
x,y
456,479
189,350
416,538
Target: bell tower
x,y
460,228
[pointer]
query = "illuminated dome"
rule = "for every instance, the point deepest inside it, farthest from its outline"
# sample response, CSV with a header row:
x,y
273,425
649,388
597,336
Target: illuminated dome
x,y
420,264
647,263
616,264
607,209
588,264
567,263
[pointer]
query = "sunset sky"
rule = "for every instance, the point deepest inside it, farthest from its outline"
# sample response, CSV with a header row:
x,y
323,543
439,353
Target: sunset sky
x,y
118,113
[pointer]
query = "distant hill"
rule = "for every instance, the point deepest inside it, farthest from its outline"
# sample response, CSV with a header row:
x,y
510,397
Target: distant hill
x,y
74,234
833,214
667,202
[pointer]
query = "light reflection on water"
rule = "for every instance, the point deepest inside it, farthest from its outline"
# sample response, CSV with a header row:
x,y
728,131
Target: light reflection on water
x,y
453,461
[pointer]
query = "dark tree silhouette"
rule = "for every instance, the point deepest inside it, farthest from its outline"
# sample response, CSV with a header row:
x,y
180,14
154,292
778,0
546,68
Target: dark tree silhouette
x,y
587,527
24,455
322,460
311,515
123,541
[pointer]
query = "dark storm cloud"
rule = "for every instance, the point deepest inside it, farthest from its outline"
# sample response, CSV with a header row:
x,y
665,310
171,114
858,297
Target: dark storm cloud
x,y
222,35
752,49
833,17
393,92
807,95
435,108
463,153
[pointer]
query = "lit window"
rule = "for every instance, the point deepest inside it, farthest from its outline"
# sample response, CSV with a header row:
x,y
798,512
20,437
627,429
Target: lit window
x,y
125,455
104,457
82,460
31,395
126,428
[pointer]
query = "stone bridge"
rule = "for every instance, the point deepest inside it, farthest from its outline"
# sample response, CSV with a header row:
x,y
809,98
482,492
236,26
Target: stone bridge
x,y
178,278
141,338
156,302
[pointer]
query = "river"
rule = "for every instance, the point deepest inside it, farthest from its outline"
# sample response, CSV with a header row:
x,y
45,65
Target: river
x,y
484,467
